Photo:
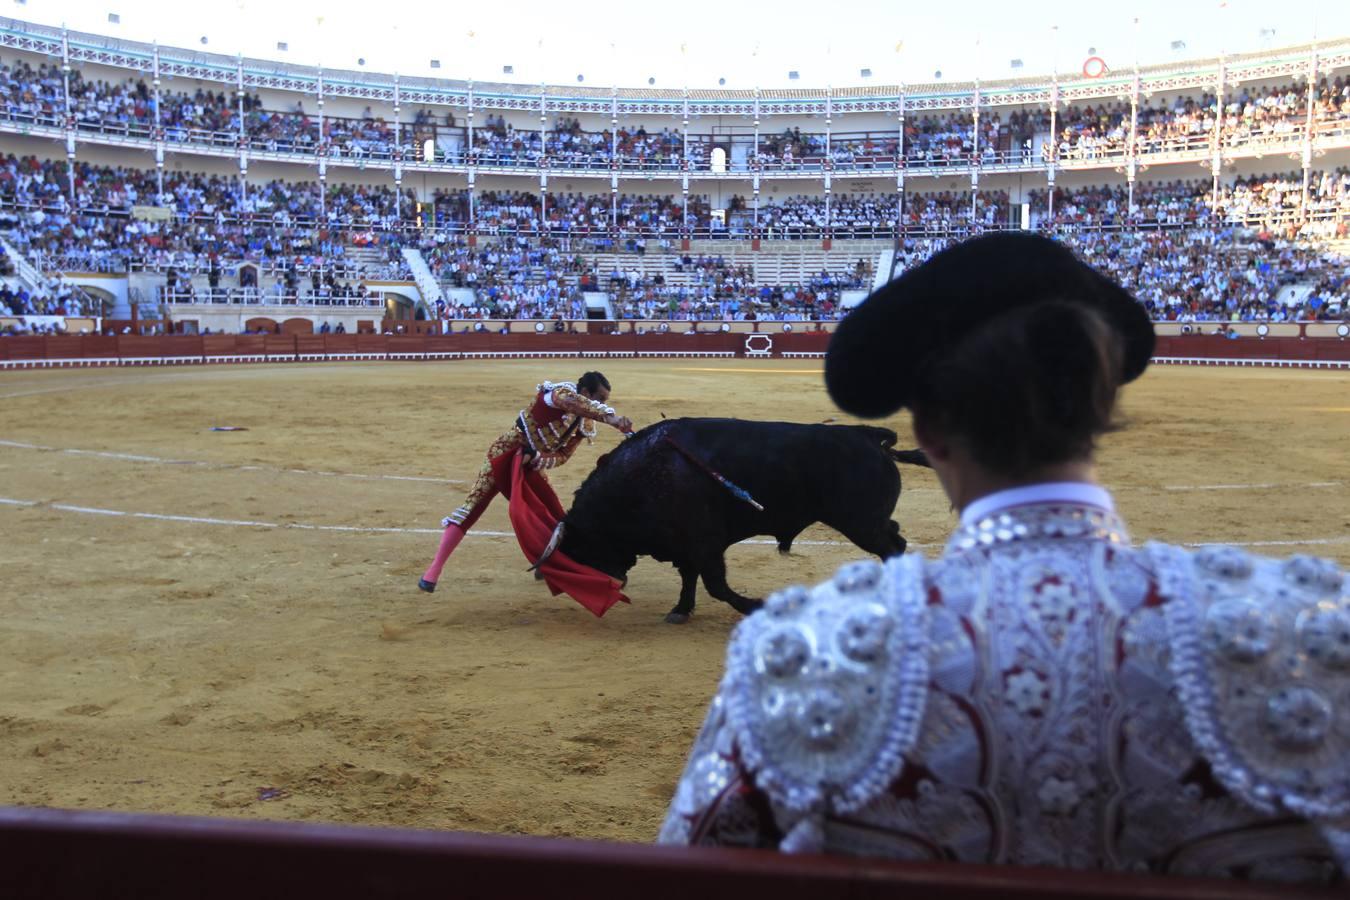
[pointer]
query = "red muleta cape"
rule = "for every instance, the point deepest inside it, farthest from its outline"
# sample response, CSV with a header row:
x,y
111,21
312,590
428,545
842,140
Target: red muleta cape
x,y
535,512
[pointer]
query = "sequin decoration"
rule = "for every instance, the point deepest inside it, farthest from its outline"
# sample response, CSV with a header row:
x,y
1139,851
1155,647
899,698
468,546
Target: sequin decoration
x,y
786,601
1239,630
1298,717
1313,574
825,717
1324,635
862,637
1050,521
783,653
858,576
1226,562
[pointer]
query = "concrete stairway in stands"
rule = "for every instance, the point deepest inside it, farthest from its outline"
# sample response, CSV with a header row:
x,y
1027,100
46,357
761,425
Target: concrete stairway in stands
x,y
790,266
25,273
883,273
427,284
373,259
29,276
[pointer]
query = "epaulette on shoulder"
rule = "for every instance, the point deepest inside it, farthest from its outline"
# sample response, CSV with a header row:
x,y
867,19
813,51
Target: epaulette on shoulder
x,y
825,687
1260,654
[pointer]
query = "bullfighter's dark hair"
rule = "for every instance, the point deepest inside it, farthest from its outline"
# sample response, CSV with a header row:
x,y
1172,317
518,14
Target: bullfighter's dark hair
x,y
592,382
1031,388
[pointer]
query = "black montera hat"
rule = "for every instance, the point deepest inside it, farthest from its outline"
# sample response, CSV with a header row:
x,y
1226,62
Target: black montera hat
x,y
882,348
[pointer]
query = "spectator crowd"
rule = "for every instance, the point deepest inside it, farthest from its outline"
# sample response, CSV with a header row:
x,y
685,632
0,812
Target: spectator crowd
x,y
1251,114
1182,249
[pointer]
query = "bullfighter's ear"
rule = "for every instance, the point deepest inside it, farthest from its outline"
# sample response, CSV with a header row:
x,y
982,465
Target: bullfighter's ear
x,y
934,445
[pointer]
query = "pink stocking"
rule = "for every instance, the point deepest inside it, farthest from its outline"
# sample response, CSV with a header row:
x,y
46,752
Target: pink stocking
x,y
449,541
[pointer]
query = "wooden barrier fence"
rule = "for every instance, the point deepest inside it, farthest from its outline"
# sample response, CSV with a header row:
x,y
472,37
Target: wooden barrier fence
x,y
133,350
1304,350
58,854
85,350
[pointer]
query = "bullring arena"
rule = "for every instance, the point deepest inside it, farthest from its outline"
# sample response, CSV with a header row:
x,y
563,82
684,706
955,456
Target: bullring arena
x,y
173,658
261,316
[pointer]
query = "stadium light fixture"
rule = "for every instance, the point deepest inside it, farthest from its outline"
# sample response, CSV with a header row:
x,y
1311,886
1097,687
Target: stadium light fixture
x,y
114,19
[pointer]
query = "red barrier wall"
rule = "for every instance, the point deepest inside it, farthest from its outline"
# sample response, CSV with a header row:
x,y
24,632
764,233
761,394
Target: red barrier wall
x,y
187,347
52,854
1281,348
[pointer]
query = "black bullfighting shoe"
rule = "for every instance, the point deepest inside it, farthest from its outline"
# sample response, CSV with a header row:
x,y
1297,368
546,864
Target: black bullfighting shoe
x,y
428,586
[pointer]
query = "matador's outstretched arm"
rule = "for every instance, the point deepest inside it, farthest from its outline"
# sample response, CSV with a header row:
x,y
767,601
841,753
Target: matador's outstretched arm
x,y
568,400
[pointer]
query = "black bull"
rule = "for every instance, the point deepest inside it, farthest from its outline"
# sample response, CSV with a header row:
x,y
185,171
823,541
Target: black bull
x,y
654,496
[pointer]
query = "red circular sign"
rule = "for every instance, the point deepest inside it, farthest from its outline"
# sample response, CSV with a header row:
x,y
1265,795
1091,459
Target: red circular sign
x,y
1094,67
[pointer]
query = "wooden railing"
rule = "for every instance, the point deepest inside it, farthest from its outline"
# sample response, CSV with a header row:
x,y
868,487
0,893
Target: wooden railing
x,y
57,854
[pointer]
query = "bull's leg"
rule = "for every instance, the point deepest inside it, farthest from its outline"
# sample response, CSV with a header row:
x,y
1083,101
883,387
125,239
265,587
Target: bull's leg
x,y
688,585
785,540
715,580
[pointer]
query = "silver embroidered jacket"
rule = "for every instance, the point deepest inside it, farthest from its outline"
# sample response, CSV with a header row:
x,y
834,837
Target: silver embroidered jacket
x,y
1044,694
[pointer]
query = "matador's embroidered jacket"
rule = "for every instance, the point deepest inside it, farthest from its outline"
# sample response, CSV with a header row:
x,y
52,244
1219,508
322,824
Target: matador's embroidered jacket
x,y
556,422
550,429
1043,694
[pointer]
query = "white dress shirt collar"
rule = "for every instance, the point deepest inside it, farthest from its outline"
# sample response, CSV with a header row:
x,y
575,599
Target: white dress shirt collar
x,y
1079,493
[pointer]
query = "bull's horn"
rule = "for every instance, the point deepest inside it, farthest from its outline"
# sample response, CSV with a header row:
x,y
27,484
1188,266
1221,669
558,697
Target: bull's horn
x,y
553,543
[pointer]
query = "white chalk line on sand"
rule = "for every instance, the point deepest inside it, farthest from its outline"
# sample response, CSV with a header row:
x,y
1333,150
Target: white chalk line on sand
x,y
160,460
301,526
255,370
1270,485
373,529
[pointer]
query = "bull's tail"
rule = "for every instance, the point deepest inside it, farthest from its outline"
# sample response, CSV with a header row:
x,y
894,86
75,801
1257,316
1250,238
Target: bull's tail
x,y
887,439
883,436
913,457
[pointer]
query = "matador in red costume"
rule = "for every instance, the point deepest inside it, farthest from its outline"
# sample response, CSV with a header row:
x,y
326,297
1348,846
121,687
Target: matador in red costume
x,y
547,433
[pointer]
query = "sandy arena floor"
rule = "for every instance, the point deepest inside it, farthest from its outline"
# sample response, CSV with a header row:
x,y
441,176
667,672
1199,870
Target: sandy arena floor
x,y
186,666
